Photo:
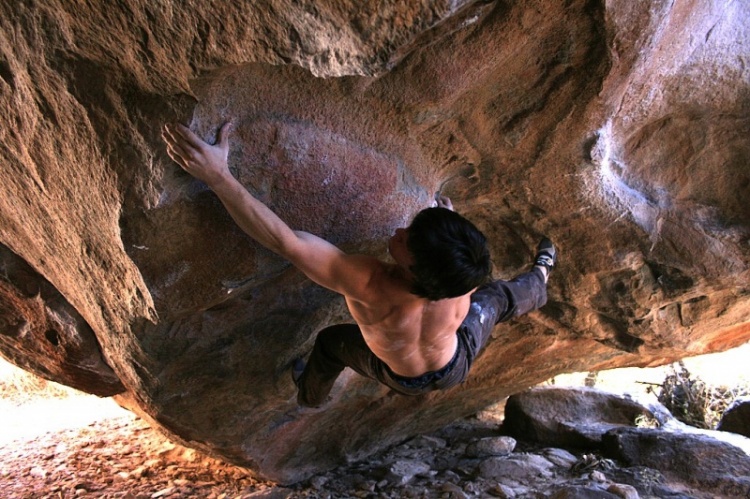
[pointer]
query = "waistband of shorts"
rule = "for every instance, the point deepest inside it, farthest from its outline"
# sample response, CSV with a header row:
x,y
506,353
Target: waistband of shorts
x,y
428,377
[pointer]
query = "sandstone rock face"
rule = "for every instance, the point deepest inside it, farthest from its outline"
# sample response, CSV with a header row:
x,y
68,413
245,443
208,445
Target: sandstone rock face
x,y
619,129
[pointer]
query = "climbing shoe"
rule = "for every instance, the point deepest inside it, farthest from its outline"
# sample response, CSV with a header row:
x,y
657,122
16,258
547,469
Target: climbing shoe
x,y
546,254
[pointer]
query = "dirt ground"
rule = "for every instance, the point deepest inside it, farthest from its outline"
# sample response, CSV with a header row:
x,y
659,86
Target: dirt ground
x,y
117,457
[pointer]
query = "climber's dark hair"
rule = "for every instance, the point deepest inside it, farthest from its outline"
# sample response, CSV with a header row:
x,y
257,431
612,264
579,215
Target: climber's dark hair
x,y
450,254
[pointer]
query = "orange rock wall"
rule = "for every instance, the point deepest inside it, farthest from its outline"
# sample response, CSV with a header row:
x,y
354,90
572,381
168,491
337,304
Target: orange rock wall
x,y
618,129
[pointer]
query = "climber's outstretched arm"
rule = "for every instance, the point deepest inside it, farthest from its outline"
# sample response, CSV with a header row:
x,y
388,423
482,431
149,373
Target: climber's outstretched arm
x,y
321,261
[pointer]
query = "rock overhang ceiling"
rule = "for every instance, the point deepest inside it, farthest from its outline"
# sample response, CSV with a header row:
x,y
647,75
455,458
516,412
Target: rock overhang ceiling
x,y
621,131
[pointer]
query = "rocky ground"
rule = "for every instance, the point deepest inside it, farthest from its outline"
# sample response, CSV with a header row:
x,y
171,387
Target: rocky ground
x,y
118,457
122,457
58,443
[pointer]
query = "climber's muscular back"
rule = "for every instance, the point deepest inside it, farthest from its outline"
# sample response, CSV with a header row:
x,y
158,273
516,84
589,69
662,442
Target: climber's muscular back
x,y
412,335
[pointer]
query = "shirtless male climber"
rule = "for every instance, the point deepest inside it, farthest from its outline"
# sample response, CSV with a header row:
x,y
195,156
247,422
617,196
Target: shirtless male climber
x,y
420,322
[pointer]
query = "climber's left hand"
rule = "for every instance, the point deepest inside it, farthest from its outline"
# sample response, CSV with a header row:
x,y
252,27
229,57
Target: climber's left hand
x,y
200,159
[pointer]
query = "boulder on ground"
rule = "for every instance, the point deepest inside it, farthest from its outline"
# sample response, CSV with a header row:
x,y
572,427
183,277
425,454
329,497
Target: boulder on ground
x,y
576,417
736,417
696,458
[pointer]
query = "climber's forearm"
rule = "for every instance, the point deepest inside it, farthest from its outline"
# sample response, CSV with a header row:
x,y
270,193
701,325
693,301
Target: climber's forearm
x,y
318,259
252,216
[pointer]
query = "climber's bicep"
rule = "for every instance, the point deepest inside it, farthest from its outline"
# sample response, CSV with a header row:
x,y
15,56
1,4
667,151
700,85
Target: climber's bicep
x,y
330,267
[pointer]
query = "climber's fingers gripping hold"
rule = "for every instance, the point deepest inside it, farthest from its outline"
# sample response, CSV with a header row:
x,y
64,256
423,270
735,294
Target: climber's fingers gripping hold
x,y
203,161
444,202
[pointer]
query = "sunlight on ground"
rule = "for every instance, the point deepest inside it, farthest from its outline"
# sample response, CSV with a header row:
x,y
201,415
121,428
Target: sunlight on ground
x,y
47,415
30,407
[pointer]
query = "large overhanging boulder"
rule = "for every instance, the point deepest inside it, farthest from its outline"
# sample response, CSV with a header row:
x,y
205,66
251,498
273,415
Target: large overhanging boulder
x,y
619,129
